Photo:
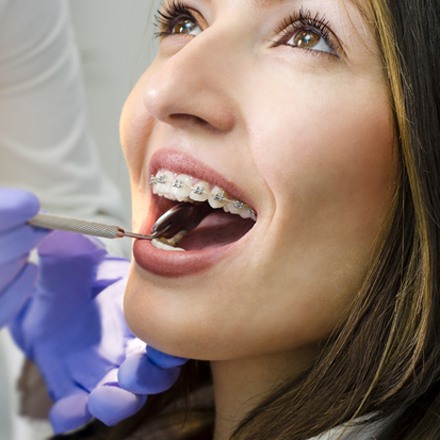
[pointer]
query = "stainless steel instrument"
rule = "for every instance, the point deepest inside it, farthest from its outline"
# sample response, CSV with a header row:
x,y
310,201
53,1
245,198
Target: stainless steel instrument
x,y
183,216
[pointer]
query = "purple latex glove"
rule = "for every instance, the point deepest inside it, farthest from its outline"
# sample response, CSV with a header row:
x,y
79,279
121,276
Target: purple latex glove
x,y
145,371
17,239
74,330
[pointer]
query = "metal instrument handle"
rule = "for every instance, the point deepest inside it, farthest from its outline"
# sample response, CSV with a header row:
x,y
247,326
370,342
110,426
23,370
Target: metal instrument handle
x,y
96,229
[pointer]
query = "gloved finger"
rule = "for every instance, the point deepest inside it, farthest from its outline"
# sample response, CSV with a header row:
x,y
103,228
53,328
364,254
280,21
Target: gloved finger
x,y
9,271
112,337
134,346
63,244
109,350
16,295
16,207
140,375
98,366
110,270
70,412
110,404
18,242
68,264
164,360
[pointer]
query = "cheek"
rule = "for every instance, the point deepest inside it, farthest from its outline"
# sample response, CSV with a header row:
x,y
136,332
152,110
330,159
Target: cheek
x,y
337,154
332,170
135,129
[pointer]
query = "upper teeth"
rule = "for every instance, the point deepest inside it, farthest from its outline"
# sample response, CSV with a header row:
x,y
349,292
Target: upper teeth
x,y
185,188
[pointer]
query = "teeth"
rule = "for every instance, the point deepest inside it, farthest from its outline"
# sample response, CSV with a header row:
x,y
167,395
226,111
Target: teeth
x,y
164,246
216,198
179,188
235,207
163,184
184,188
200,191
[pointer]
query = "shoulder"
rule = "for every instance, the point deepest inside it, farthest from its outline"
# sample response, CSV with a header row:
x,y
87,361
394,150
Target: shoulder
x,y
360,429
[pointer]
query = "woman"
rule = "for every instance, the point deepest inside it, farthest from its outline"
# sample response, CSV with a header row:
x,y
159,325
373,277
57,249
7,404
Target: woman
x,y
318,122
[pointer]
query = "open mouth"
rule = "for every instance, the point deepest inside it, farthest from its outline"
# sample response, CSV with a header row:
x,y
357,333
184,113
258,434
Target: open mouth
x,y
214,219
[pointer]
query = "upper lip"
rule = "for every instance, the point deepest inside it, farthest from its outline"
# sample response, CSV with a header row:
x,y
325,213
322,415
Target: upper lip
x,y
182,163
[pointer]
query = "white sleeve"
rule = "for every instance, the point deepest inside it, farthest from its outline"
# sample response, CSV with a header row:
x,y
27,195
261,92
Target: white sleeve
x,y
44,143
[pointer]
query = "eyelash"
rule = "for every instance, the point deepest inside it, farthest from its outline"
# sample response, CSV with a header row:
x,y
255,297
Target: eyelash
x,y
164,20
305,21
298,21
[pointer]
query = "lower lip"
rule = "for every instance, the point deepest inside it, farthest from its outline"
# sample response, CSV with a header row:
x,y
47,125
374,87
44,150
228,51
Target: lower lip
x,y
177,263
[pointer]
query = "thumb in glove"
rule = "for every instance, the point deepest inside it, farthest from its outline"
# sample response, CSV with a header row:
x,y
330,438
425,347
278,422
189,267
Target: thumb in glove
x,y
17,239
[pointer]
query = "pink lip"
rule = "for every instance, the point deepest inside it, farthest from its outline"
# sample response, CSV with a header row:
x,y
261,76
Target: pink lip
x,y
175,263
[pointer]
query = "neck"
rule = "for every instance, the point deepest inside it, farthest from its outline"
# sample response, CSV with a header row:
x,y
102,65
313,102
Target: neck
x,y
241,384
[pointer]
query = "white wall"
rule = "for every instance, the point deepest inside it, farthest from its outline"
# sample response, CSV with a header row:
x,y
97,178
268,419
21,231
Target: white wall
x,y
116,44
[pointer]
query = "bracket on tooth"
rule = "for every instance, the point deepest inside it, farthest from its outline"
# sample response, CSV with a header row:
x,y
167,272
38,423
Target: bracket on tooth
x,y
178,183
164,177
253,214
220,196
198,190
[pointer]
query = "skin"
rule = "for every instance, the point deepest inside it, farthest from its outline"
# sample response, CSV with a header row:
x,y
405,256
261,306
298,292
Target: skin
x,y
308,137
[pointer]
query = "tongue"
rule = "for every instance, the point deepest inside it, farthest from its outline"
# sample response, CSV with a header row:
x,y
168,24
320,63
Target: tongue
x,y
217,229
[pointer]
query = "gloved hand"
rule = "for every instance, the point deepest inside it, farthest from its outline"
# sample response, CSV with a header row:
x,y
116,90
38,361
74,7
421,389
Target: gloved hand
x,y
73,328
17,239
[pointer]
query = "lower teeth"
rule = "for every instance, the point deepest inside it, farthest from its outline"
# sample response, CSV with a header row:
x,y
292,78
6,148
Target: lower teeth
x,y
161,244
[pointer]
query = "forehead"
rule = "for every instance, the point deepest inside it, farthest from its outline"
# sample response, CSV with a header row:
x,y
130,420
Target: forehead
x,y
362,7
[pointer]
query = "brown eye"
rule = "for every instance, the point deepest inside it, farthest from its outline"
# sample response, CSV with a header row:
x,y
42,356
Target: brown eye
x,y
185,26
306,39
308,32
309,39
177,19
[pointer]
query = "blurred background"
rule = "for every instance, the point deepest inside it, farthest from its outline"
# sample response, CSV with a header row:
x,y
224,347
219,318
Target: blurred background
x,y
116,43
115,40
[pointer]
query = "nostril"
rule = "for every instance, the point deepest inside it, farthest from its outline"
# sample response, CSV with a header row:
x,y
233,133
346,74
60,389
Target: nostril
x,y
185,117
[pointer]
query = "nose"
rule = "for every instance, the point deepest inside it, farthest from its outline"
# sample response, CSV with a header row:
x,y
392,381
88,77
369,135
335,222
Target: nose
x,y
193,85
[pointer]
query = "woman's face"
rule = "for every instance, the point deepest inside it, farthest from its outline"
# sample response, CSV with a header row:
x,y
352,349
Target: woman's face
x,y
283,106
